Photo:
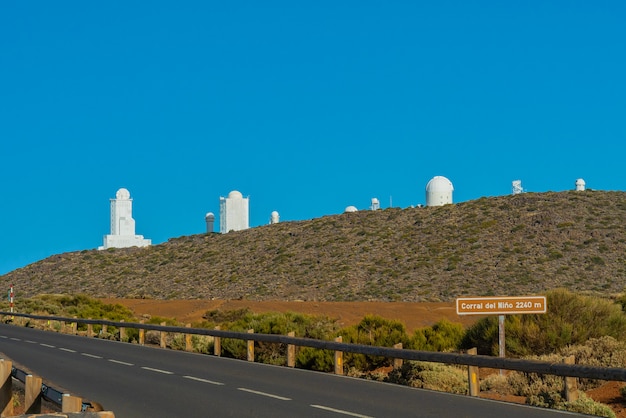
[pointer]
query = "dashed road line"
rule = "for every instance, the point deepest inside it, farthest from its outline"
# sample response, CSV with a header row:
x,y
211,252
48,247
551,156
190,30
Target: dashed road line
x,y
47,345
4,336
31,342
157,370
15,339
340,411
89,355
69,350
120,362
198,379
269,395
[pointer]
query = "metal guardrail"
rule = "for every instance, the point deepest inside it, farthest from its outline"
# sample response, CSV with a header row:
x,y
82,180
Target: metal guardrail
x,y
49,393
526,366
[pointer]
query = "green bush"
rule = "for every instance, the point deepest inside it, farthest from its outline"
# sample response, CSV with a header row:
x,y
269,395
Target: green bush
x,y
442,336
434,376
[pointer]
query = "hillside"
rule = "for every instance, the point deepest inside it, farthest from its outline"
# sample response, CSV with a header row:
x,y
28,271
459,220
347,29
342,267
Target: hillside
x,y
508,245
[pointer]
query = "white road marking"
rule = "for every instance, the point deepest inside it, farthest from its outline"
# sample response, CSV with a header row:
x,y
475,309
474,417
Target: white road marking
x,y
31,342
47,345
3,336
197,379
90,355
120,362
16,339
157,370
67,349
269,395
340,411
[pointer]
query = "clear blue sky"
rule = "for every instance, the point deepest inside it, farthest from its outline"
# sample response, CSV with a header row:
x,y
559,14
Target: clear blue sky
x,y
304,106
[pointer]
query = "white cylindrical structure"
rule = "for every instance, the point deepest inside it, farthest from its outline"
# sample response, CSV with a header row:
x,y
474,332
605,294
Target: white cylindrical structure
x,y
375,204
210,221
439,191
274,217
580,185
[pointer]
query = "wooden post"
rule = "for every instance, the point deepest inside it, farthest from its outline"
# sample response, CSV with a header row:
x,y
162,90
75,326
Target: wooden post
x,y
142,334
188,344
217,344
122,332
571,383
163,335
6,391
89,329
472,375
250,346
104,329
75,327
397,362
32,397
338,358
291,352
71,403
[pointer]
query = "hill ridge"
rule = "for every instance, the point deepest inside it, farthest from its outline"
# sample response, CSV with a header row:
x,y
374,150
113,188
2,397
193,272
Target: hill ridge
x,y
506,245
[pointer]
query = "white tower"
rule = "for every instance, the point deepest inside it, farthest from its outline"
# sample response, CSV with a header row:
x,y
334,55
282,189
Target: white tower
x,y
439,191
233,212
122,224
516,187
210,220
274,217
580,185
375,204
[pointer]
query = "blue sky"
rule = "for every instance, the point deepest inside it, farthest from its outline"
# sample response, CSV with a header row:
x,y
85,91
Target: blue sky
x,y
305,107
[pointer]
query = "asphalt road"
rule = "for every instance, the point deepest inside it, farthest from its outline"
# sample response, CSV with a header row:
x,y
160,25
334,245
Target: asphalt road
x,y
136,381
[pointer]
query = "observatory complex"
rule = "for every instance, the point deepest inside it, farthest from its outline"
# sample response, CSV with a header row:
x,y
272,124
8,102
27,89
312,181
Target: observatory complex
x,y
439,191
234,212
122,224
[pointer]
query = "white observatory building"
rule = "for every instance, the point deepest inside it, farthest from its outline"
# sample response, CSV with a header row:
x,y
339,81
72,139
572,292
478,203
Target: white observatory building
x,y
122,224
274,217
439,191
375,205
580,185
350,209
234,212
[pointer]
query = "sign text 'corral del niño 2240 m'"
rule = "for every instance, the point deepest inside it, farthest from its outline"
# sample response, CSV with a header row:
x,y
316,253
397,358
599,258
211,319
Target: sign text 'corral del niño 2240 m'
x,y
501,305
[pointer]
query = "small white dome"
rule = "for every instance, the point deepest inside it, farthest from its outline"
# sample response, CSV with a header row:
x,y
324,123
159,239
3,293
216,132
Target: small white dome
x,y
209,216
122,194
235,195
439,184
274,213
350,209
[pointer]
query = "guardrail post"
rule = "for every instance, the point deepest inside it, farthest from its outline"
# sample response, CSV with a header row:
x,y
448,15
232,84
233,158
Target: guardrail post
x,y
89,329
163,335
6,391
142,334
74,326
104,329
32,396
188,345
71,403
338,358
122,332
217,344
250,344
397,362
291,352
571,383
472,375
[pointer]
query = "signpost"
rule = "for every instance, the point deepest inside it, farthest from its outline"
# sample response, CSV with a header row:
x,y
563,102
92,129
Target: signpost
x,y
501,306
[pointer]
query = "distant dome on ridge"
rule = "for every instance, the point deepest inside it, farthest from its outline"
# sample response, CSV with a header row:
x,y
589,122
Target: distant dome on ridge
x,y
350,209
122,194
235,195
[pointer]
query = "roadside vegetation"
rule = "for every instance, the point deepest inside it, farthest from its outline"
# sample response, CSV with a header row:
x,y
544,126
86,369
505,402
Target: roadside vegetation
x,y
592,329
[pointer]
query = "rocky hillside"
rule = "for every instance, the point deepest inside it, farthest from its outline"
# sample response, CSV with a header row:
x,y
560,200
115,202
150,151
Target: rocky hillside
x,y
508,245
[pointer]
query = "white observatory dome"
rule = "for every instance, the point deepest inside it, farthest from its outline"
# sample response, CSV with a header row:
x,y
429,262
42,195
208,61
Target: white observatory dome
x,y
235,195
580,185
350,209
122,194
439,191
274,217
209,216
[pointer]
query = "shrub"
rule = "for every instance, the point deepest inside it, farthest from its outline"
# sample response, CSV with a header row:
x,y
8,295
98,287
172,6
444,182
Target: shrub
x,y
434,376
